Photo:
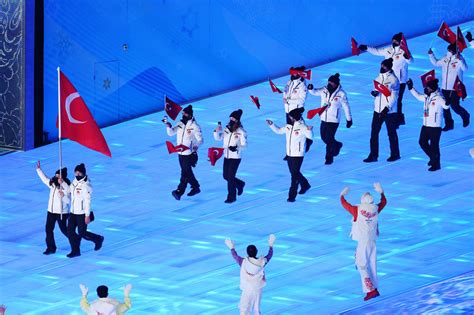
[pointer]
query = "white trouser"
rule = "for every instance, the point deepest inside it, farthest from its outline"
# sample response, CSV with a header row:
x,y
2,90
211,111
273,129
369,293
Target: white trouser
x,y
250,299
366,262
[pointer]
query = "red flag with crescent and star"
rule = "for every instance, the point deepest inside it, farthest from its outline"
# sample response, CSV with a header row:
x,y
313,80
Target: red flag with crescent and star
x,y
382,88
445,33
427,77
404,46
313,112
171,108
304,74
175,149
214,154
355,47
77,123
275,89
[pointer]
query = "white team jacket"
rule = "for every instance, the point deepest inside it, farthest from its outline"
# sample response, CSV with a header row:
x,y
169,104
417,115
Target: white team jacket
x,y
189,135
81,196
294,95
296,135
433,107
381,101
336,103
451,67
252,273
105,306
400,63
366,226
54,196
237,138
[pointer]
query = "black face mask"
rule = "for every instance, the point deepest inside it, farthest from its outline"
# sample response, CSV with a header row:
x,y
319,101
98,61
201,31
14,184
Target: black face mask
x,y
231,125
54,181
395,44
294,77
331,88
185,119
427,91
382,70
79,177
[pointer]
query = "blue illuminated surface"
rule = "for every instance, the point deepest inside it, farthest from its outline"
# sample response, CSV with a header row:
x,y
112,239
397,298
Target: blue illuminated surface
x,y
174,253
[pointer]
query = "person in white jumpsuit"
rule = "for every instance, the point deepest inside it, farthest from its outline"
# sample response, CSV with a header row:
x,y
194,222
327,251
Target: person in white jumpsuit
x,y
105,305
252,275
365,231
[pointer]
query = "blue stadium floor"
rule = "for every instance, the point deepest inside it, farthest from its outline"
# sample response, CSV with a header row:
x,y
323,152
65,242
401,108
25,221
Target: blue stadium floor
x,y
173,252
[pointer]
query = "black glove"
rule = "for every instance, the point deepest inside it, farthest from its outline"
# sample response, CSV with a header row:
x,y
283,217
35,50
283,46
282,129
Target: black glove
x,y
310,86
194,159
405,55
363,47
309,142
469,36
232,148
348,123
375,93
410,84
384,112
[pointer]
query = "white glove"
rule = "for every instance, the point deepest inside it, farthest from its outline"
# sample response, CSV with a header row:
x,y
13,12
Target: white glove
x,y
84,289
378,188
127,289
229,243
345,191
271,239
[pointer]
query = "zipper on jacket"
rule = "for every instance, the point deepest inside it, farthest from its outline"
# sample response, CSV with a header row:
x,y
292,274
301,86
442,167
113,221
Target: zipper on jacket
x,y
447,73
228,142
52,200
291,136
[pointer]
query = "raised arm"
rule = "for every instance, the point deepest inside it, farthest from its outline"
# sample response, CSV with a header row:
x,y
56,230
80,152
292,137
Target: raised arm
x,y
236,257
317,91
275,128
171,131
350,208
376,51
417,95
41,174
127,303
85,306
435,62
383,201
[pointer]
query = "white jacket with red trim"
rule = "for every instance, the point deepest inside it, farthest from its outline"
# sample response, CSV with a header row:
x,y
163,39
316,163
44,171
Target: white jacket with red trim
x,y
54,196
296,136
432,108
188,134
452,67
294,95
337,102
381,101
236,138
400,63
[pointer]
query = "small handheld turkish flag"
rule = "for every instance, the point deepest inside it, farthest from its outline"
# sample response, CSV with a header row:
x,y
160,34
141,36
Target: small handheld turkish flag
x,y
174,149
214,154
171,108
313,112
304,74
404,46
77,122
382,89
355,47
428,76
460,41
255,101
275,89
460,88
445,33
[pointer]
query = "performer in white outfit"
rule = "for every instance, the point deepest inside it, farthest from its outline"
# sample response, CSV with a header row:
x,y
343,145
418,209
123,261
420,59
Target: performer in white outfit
x,y
365,231
294,95
105,305
252,275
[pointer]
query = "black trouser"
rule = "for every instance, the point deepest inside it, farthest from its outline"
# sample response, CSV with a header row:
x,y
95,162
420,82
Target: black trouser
x,y
294,164
391,124
187,175
229,172
429,142
328,132
78,221
51,220
452,98
400,97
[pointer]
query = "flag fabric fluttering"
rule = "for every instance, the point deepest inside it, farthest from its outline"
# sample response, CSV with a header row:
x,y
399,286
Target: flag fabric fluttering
x,y
460,88
275,89
171,108
214,154
313,112
77,122
255,101
445,33
382,89
404,46
428,76
354,47
175,149
460,41
306,74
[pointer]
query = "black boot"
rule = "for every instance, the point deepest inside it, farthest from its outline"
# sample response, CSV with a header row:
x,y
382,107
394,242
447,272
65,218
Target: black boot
x,y
49,251
194,191
370,159
98,244
177,194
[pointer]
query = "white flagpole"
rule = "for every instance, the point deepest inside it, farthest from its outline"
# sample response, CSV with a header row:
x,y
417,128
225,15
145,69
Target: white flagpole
x,y
59,139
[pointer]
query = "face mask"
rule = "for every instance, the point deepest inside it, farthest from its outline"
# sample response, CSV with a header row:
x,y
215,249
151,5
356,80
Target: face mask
x,y
427,91
231,124
185,119
54,181
79,177
294,77
331,88
382,70
395,44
